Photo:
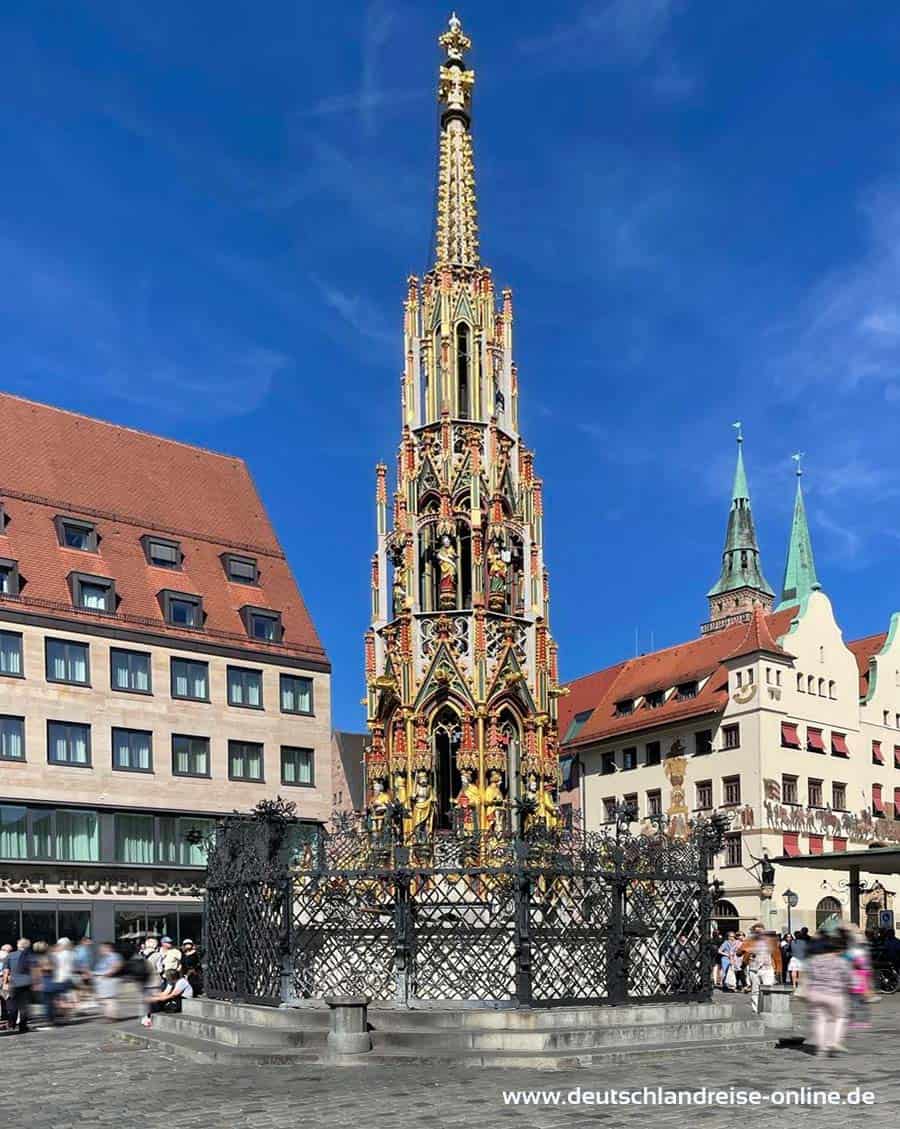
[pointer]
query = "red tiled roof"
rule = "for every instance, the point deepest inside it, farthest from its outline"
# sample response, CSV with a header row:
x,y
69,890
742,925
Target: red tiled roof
x,y
695,660
129,483
863,650
757,638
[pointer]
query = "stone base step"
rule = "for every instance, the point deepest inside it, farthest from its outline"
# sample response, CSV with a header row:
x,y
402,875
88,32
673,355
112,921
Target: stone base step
x,y
241,1034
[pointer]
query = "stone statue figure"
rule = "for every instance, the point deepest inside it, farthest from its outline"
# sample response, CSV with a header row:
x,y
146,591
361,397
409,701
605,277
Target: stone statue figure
x,y
767,870
401,801
498,571
543,811
424,811
378,806
495,803
447,563
466,802
399,594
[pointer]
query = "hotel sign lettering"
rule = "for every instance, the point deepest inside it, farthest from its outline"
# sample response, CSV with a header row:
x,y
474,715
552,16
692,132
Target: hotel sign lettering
x,y
91,886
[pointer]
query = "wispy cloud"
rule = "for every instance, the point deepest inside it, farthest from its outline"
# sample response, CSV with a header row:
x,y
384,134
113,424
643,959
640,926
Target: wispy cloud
x,y
358,312
113,341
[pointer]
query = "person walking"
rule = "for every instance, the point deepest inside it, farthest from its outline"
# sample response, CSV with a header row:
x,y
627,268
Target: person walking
x,y
5,951
728,956
18,977
107,971
56,992
760,963
799,952
786,957
827,982
741,957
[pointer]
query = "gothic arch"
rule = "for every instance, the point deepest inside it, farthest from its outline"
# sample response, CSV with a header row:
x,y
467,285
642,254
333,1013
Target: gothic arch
x,y
826,909
444,738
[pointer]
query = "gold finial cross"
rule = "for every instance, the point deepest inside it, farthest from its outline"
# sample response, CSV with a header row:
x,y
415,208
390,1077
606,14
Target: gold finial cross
x,y
455,41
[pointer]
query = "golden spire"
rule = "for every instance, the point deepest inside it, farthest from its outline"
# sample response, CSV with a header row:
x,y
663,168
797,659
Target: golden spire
x,y
457,214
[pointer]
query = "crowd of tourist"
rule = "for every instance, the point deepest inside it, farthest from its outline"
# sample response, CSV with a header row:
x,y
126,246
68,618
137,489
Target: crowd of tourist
x,y
831,970
65,980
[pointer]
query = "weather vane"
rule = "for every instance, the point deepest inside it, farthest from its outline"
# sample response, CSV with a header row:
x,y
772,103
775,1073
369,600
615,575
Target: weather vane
x,y
797,456
739,428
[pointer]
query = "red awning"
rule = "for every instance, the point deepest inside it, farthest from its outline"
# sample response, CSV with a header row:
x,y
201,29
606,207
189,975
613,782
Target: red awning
x,y
838,844
877,802
814,740
897,756
789,735
897,803
839,745
790,843
816,844
877,754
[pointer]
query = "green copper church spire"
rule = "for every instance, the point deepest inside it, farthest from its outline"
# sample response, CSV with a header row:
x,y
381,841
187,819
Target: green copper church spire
x,y
741,585
800,571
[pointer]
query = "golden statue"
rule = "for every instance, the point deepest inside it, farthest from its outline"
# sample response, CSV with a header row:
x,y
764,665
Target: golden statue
x,y
446,556
466,802
401,798
424,811
498,568
381,799
544,811
495,803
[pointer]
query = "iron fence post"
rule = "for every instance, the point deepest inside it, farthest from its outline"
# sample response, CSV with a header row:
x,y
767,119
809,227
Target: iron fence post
x,y
616,947
403,938
286,948
523,891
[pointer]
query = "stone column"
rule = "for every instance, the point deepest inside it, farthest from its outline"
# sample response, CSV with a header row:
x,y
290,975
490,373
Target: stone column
x,y
348,1030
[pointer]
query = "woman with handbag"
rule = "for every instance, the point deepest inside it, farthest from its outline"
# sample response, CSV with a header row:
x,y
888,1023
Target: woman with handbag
x,y
728,954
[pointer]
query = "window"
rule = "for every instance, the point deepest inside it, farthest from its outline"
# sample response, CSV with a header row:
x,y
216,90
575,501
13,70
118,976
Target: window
x,y
245,761
11,654
815,793
161,552
839,797
816,844
790,738
832,690
12,738
296,694
839,745
192,852
68,662
93,593
733,852
13,832
877,801
896,812
654,754
704,795
132,750
81,535
190,755
297,766
814,740
625,707
129,671
654,802
77,836
731,789
190,680
738,679
576,725
629,759
135,838
9,577
896,748
877,754
686,691
181,609
630,803
609,809
838,843
731,736
242,570
245,688
68,743
800,683
654,700
42,833
462,370
810,685
607,764
703,742
263,624
789,789
821,687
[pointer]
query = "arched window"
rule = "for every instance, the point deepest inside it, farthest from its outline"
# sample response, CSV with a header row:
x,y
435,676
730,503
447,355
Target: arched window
x,y
726,917
445,737
826,910
800,683
436,368
463,367
821,687
832,689
511,743
810,685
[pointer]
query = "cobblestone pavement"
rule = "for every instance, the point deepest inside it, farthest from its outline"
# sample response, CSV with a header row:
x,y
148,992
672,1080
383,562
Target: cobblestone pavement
x,y
81,1076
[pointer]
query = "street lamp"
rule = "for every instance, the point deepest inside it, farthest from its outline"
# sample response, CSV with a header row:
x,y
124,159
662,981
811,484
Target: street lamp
x,y
791,898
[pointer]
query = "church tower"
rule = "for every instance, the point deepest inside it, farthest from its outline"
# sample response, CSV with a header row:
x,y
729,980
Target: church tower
x,y
461,670
741,585
800,577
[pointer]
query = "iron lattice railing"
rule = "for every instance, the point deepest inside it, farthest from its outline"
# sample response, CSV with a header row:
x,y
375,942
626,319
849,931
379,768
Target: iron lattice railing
x,y
545,918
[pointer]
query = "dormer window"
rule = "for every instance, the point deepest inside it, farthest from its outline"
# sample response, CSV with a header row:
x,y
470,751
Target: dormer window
x,y
76,534
182,609
161,552
624,707
262,624
686,691
241,570
9,578
655,699
93,593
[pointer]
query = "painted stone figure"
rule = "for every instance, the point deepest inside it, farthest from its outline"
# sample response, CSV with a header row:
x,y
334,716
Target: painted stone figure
x,y
447,563
466,803
495,803
498,572
424,811
378,807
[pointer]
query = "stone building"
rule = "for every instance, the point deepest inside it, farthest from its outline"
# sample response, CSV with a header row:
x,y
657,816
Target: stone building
x,y
460,665
158,668
769,715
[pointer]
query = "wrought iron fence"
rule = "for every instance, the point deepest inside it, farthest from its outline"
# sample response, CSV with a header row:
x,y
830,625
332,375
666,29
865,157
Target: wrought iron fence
x,y
539,918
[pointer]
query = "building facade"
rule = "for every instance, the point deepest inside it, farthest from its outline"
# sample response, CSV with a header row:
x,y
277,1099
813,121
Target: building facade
x,y
158,668
460,666
769,716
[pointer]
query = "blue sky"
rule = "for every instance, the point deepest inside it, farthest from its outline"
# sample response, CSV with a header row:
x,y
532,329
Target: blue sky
x,y
208,212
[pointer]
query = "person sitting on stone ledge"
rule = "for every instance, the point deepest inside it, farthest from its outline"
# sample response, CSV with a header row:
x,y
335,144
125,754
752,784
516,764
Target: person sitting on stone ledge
x,y
177,988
